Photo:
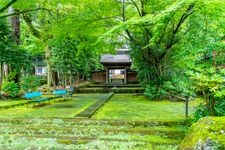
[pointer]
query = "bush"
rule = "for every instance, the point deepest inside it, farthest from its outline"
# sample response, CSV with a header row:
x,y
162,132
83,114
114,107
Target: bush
x,y
203,111
43,80
154,93
220,108
11,88
30,83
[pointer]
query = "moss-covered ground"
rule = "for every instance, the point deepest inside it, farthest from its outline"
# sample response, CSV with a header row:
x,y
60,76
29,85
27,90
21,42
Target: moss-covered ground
x,y
207,133
138,107
59,133
5,103
125,122
68,108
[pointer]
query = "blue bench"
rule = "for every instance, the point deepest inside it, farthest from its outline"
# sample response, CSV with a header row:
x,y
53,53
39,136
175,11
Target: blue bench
x,y
60,93
70,90
35,97
63,93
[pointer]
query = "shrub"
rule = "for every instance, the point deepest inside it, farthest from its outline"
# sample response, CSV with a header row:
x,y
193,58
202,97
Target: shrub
x,y
11,88
154,93
30,83
203,111
211,83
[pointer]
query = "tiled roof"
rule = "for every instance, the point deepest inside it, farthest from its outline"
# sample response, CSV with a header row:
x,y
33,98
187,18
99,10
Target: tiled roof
x,y
115,59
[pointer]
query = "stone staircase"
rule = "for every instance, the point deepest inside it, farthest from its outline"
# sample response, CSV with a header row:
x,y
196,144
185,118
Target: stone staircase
x,y
111,88
80,133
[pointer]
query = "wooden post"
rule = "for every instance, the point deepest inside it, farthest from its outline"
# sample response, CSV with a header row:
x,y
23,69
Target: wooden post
x,y
1,76
186,106
125,75
107,75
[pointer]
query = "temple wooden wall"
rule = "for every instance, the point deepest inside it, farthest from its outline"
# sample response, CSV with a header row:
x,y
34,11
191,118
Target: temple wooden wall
x,y
99,77
132,77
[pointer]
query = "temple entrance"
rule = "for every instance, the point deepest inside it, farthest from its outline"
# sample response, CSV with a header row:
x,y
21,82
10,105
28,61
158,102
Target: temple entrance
x,y
116,75
116,69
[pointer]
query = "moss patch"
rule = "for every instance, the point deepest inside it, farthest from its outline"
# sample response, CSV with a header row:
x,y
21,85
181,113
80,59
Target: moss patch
x,y
56,109
207,133
94,107
11,103
138,107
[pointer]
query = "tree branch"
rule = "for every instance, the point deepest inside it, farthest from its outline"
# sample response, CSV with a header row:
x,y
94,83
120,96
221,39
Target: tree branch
x,y
7,5
32,29
187,13
136,6
26,11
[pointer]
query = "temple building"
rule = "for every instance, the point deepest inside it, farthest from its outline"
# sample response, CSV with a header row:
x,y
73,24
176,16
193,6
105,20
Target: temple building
x,y
117,69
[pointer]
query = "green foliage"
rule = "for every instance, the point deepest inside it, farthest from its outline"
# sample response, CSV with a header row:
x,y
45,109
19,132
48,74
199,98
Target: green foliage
x,y
211,83
30,83
201,111
154,93
177,87
74,56
219,108
11,88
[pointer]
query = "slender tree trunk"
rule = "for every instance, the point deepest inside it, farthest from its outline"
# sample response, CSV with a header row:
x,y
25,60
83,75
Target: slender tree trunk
x,y
71,77
49,67
1,79
1,76
78,78
213,106
49,77
55,78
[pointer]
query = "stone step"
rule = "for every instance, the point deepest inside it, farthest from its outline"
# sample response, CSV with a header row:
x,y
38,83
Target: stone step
x,y
88,121
38,142
119,138
78,133
109,90
114,85
90,131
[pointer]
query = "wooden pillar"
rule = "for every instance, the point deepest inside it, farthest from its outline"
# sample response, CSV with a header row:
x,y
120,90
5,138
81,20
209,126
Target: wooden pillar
x,y
125,75
107,75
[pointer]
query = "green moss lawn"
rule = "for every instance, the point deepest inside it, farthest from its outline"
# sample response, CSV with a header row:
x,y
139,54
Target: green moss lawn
x,y
5,103
138,107
67,108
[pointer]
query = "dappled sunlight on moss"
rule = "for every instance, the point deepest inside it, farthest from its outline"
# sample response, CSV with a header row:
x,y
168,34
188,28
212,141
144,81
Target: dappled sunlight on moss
x,y
138,107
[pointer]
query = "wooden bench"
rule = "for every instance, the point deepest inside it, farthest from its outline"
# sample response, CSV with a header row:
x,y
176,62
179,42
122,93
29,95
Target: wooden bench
x,y
35,97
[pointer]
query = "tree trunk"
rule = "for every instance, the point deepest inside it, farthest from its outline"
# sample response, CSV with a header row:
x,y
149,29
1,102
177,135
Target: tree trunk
x,y
49,77
15,26
1,80
55,78
49,67
71,78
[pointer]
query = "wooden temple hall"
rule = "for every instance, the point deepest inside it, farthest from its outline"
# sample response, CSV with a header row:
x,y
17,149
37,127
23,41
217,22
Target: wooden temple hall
x,y
117,69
